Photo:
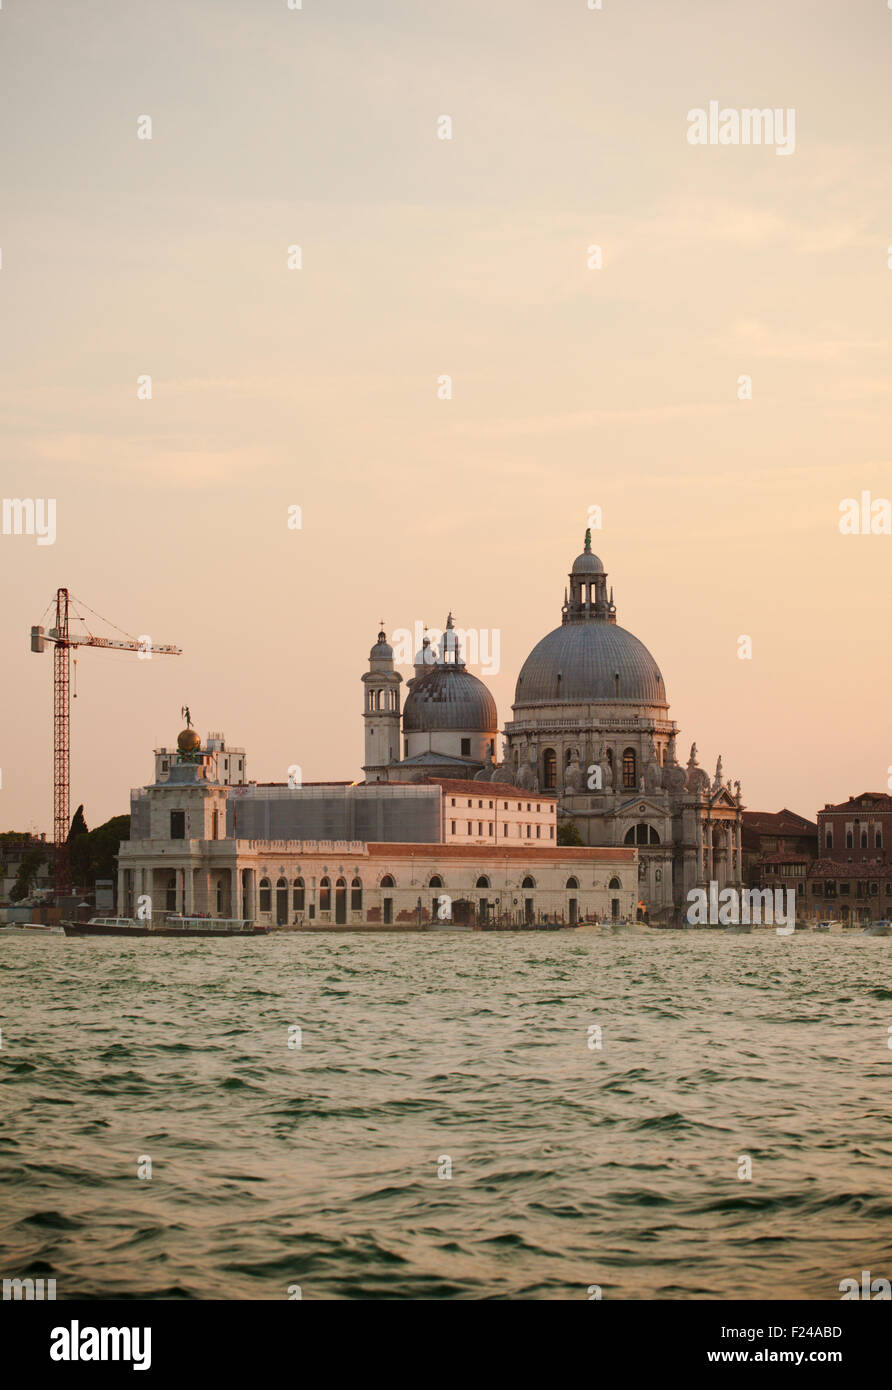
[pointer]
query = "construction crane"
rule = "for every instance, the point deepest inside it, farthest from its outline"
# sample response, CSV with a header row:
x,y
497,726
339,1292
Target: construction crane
x,y
64,640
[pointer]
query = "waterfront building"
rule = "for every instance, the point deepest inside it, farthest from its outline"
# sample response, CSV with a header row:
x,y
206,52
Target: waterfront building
x,y
591,723
779,848
590,727
341,854
851,880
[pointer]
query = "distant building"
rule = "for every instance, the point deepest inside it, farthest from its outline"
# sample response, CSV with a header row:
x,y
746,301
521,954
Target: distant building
x,y
851,880
778,849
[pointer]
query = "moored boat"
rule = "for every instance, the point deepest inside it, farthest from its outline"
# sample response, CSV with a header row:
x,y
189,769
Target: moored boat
x,y
26,930
171,926
881,928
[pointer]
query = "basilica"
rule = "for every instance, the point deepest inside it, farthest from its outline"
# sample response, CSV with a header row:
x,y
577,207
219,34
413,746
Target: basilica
x,y
590,726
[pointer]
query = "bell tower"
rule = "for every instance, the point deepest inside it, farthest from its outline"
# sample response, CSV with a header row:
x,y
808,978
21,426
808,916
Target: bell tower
x,y
381,713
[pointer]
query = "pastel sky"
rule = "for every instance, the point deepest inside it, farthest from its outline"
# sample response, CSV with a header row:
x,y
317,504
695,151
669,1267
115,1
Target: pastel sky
x,y
572,387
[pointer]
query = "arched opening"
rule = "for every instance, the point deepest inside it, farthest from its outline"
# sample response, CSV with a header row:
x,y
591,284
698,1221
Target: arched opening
x,y
265,903
549,770
325,895
388,881
641,834
614,885
630,769
572,883
282,901
356,895
341,901
529,882
435,882
482,882
298,895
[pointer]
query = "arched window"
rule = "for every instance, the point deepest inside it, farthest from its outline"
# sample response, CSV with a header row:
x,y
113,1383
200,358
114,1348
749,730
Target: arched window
x,y
341,899
528,882
630,764
572,883
641,834
297,895
435,882
614,885
325,895
356,895
266,895
549,770
482,882
388,881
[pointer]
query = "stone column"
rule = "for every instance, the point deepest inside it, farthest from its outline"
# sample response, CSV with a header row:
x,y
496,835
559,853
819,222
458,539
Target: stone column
x,y
251,896
189,879
179,890
235,907
122,891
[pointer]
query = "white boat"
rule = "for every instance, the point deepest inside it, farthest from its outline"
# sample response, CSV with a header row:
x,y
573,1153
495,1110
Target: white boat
x,y
880,928
26,930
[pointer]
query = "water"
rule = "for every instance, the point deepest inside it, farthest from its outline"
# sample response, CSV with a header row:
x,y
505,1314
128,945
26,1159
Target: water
x,y
274,1167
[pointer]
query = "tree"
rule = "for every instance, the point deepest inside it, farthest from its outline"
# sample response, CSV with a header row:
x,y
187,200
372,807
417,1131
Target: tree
x,y
568,833
30,863
94,853
78,825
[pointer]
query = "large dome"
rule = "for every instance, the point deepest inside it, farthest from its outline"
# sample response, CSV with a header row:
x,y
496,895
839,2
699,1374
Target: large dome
x,y
449,698
584,661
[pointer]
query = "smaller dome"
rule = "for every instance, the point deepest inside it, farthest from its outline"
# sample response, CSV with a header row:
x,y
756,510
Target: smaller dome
x,y
587,563
188,741
382,650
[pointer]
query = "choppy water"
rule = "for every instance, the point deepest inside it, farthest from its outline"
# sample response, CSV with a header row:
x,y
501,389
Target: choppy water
x,y
318,1167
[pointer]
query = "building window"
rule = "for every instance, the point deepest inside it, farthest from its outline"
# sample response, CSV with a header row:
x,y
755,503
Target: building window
x,y
215,826
165,765
482,882
878,839
549,769
614,885
356,895
452,823
572,884
266,895
435,882
538,832
452,803
388,881
850,840
551,833
178,825
470,831
480,805
325,895
489,827
529,832
864,839
828,837
298,894
480,827
466,748
528,882
219,897
630,779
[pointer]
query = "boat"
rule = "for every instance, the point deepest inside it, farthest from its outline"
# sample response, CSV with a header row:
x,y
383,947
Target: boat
x,y
173,926
26,930
881,928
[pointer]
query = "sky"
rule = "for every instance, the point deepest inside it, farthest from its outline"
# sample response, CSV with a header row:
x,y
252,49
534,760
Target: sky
x,y
421,258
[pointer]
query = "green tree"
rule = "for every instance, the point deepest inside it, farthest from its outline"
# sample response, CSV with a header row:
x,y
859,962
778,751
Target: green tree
x,y
94,853
568,833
